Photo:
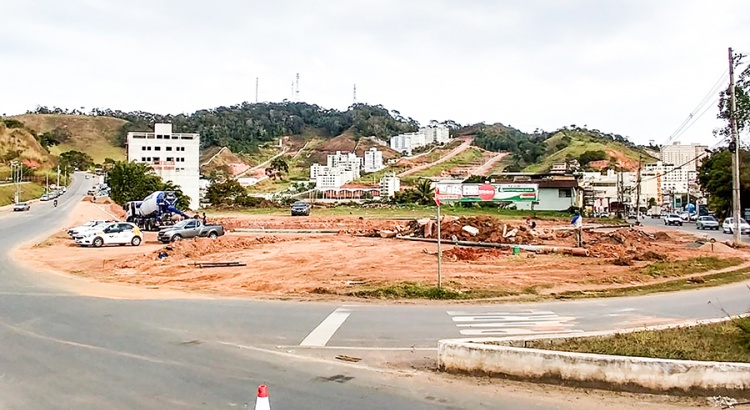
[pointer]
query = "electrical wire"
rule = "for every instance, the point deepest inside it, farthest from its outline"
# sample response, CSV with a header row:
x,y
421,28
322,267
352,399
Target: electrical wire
x,y
678,168
714,89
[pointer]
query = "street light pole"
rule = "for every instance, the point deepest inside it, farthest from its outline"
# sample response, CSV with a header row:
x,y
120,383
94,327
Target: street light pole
x,y
736,208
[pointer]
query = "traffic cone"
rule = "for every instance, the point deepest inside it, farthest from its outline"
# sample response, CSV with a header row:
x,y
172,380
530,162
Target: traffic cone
x,y
262,402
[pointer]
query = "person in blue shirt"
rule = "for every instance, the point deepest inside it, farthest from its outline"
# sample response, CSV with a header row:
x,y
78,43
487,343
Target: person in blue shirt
x,y
577,223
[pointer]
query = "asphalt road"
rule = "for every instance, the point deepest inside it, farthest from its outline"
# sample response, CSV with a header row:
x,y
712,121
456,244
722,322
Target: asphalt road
x,y
689,227
64,350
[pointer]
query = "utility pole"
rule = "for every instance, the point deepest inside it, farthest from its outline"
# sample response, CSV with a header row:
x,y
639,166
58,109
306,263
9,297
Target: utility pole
x,y
58,176
638,193
256,90
736,208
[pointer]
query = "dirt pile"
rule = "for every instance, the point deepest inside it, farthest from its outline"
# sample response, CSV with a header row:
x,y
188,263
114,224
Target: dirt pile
x,y
350,225
459,253
191,249
627,243
474,228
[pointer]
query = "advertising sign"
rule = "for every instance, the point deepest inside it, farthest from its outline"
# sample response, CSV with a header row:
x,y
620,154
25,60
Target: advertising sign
x,y
500,192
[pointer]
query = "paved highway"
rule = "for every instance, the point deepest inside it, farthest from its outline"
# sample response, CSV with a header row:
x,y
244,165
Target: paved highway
x,y
64,350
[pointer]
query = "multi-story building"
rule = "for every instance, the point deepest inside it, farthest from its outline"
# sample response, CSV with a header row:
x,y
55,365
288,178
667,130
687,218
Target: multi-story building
x,y
389,185
439,134
333,178
373,160
348,161
173,156
609,187
688,157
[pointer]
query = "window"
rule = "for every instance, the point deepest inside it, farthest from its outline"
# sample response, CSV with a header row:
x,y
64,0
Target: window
x,y
157,148
148,148
170,159
564,193
143,148
169,148
156,159
143,159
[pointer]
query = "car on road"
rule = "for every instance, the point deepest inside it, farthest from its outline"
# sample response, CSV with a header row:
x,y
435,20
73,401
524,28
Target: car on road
x,y
75,231
300,208
189,228
45,197
728,226
21,206
707,222
672,219
115,233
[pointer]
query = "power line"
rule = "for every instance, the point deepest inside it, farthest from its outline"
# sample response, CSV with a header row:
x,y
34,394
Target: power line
x,y
714,89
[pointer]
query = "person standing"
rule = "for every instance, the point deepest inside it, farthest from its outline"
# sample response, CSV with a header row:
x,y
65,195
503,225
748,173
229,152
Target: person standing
x,y
577,223
530,223
204,218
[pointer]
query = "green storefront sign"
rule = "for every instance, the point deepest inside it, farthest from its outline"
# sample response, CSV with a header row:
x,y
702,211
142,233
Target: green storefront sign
x,y
473,192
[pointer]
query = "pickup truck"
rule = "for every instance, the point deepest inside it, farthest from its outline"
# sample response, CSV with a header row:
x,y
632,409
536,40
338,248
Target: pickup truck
x,y
189,228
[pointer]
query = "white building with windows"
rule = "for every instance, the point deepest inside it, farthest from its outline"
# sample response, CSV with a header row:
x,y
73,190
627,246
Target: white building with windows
x,y
333,178
389,185
406,143
439,134
688,157
173,156
373,160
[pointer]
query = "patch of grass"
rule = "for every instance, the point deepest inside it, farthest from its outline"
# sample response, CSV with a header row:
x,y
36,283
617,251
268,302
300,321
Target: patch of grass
x,y
465,158
716,279
682,267
721,342
412,290
28,192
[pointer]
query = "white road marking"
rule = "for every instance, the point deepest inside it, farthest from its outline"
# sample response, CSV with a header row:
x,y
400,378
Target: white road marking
x,y
512,323
325,330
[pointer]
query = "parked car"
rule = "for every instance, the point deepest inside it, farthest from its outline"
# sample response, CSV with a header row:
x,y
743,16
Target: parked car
x,y
45,197
116,233
672,219
77,230
189,228
685,216
21,206
728,226
300,208
707,222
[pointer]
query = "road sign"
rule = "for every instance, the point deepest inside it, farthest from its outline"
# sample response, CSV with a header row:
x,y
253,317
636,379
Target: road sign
x,y
486,192
447,196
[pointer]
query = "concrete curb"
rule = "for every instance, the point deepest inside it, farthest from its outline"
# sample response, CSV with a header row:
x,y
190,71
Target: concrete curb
x,y
509,358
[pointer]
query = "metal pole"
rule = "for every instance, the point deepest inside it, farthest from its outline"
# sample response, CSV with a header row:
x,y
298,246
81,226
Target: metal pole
x,y
440,252
736,208
58,176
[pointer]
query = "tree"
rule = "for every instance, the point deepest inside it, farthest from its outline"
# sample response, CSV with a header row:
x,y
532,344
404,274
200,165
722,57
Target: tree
x,y
277,168
225,193
742,96
425,193
76,159
651,202
133,181
715,177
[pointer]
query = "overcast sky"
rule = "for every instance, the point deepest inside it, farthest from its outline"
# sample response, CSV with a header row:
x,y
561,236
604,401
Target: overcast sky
x,y
633,67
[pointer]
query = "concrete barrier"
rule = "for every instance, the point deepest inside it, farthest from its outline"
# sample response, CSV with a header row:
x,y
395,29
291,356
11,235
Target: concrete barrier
x,y
503,358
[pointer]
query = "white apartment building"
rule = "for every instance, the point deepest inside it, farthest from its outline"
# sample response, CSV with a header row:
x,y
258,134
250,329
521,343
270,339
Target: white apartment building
x,y
406,143
688,156
389,185
348,161
333,178
438,134
173,156
373,160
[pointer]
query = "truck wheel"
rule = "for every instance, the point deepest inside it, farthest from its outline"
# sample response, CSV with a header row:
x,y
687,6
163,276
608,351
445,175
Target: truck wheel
x,y
98,242
176,238
135,241
213,235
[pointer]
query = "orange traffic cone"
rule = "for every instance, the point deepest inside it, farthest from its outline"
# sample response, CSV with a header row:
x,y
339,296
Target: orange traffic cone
x,y
262,402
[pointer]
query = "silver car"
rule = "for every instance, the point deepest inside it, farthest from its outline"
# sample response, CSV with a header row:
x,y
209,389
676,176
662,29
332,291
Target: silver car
x,y
707,222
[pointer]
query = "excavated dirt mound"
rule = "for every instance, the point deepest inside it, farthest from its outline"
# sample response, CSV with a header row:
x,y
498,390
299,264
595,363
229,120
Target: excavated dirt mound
x,y
489,229
628,243
471,254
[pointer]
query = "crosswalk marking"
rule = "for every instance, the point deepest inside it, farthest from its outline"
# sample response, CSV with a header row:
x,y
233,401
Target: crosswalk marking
x,y
508,323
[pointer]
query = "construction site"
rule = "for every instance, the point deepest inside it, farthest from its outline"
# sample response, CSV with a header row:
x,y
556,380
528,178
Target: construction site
x,y
340,257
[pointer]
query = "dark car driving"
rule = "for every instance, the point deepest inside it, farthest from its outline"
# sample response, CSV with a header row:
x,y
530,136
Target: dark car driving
x,y
300,208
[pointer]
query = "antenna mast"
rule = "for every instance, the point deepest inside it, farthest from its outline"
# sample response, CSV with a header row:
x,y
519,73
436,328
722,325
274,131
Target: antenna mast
x,y
256,90
296,92
354,101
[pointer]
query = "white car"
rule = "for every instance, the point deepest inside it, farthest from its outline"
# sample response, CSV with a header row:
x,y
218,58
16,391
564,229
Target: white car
x,y
73,232
116,233
728,226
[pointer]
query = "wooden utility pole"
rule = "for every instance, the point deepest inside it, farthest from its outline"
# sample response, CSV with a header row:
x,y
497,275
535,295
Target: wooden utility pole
x,y
638,192
735,140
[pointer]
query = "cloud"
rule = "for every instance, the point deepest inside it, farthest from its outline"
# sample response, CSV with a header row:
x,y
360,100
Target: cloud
x,y
632,67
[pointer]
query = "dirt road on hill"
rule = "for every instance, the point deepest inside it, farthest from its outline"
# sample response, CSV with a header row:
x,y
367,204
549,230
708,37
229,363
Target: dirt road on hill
x,y
459,149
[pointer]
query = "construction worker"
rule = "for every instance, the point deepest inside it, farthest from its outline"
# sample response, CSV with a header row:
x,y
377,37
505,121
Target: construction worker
x,y
530,223
577,223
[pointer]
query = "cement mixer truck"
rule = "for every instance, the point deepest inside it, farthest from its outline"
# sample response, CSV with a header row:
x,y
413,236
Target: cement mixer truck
x,y
155,211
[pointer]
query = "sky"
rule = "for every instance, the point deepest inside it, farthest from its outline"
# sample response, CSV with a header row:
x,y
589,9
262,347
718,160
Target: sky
x,y
637,68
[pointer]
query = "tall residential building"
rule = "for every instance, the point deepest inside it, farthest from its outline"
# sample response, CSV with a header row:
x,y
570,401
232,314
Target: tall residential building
x,y
438,133
373,160
688,156
348,161
389,185
173,156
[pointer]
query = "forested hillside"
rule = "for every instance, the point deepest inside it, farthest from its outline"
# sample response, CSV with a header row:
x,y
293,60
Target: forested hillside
x,y
243,127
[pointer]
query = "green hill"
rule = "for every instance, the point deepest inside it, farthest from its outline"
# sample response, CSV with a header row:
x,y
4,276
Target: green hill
x,y
93,135
572,144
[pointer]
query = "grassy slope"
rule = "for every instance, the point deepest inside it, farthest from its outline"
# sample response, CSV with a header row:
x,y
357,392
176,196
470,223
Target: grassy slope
x,y
28,191
21,139
92,135
581,143
470,156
